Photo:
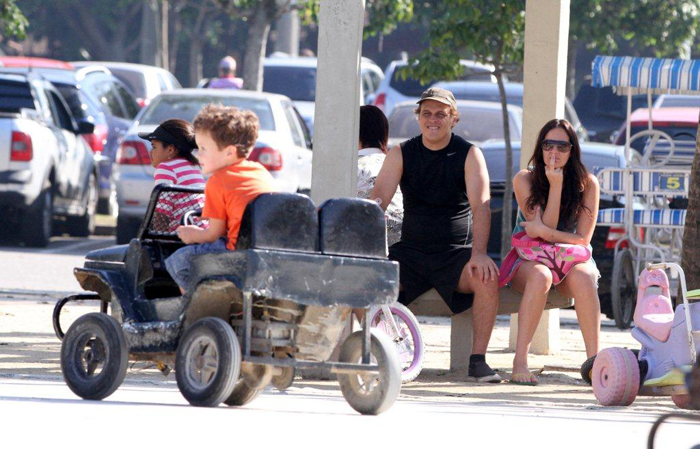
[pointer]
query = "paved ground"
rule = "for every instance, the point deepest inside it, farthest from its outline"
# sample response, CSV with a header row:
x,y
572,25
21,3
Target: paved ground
x,y
439,407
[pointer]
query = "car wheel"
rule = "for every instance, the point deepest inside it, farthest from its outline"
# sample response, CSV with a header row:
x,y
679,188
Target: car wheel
x,y
39,220
94,356
84,225
624,289
127,229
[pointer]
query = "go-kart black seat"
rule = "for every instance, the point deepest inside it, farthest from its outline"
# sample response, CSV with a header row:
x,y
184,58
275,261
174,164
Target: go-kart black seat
x,y
279,221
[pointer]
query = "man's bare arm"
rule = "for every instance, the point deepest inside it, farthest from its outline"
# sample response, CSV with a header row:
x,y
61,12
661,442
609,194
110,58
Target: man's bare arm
x,y
389,177
479,195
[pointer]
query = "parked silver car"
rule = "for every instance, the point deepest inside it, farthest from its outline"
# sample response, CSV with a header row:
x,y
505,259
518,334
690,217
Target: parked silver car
x,y
395,88
480,121
145,81
283,145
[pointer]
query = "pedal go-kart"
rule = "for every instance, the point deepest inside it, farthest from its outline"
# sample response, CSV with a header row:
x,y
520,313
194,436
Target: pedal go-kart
x,y
669,346
250,317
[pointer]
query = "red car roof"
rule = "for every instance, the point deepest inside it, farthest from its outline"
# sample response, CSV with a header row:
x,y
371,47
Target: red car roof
x,y
678,116
25,61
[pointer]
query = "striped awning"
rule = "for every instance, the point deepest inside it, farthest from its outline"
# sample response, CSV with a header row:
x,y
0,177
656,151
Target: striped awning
x,y
640,75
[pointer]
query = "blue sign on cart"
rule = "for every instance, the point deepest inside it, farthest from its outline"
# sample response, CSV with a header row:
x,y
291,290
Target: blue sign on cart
x,y
672,181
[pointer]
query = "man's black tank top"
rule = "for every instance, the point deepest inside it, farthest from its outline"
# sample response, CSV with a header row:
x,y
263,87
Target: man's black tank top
x,y
437,213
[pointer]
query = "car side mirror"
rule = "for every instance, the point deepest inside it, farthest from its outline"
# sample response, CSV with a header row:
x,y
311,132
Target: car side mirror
x,y
85,127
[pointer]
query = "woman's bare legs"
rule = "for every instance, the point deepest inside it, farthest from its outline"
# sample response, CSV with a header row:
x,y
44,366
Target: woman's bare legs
x,y
533,280
581,284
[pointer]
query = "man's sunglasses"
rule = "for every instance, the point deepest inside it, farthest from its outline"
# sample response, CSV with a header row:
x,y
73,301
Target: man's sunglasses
x,y
561,146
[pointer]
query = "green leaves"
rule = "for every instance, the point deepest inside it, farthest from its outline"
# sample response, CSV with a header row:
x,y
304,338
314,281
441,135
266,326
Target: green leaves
x,y
12,21
486,31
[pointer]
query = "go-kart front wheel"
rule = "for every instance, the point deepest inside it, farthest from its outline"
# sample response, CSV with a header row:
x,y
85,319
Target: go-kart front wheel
x,y
615,377
371,394
208,362
94,356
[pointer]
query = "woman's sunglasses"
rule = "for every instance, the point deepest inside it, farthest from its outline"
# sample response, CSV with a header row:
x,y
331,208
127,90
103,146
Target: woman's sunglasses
x,y
561,146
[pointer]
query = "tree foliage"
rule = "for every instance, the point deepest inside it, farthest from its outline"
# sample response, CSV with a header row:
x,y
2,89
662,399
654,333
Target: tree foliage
x,y
663,26
12,21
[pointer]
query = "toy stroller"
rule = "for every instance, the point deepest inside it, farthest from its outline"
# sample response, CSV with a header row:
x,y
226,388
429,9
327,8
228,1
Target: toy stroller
x,y
669,346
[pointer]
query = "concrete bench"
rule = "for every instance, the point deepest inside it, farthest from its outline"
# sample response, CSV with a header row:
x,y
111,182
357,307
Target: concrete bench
x,y
431,304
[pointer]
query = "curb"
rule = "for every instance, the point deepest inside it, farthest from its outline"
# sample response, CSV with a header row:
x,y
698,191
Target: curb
x,y
13,293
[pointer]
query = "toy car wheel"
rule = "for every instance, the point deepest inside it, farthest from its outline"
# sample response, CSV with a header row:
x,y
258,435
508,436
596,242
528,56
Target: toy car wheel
x,y
242,394
682,401
208,362
587,369
284,380
623,292
94,356
615,377
371,394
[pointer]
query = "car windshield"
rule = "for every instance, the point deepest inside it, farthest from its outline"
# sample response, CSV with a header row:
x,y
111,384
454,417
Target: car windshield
x,y
592,102
495,96
672,101
475,125
186,107
135,81
15,96
298,83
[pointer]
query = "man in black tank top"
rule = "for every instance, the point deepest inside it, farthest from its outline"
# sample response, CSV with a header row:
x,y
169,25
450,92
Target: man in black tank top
x,y
447,220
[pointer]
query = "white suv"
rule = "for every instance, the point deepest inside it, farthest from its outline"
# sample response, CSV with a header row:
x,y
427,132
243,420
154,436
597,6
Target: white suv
x,y
295,77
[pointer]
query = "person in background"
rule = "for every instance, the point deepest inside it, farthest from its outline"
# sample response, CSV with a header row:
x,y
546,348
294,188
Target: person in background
x,y
227,76
374,135
172,144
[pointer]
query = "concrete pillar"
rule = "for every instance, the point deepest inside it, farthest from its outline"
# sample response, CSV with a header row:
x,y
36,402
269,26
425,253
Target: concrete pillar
x,y
461,340
337,115
544,78
546,339
287,31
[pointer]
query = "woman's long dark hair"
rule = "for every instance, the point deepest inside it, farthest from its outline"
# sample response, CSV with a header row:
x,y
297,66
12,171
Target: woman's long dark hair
x,y
575,177
183,132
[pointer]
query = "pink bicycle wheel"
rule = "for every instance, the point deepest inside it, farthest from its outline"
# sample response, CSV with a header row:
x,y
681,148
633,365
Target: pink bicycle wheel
x,y
615,377
409,343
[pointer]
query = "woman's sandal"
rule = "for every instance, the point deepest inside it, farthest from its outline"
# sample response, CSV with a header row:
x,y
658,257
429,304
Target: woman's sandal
x,y
523,379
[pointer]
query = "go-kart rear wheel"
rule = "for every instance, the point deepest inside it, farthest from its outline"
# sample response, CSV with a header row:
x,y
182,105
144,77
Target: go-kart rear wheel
x,y
615,377
94,356
208,362
371,394
242,394
284,380
623,292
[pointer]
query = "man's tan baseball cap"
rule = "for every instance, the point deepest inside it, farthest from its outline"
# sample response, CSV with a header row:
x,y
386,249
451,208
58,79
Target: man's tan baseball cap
x,y
439,94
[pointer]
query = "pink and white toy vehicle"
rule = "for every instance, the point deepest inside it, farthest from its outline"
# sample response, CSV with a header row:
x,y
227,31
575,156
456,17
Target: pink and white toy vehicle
x,y
669,345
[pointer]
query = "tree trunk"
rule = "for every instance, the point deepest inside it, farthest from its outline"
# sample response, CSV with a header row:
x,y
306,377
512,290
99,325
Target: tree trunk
x,y
690,260
148,33
195,60
506,221
258,31
571,70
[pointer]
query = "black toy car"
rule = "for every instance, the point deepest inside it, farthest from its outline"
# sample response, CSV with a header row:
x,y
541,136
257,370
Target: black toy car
x,y
285,294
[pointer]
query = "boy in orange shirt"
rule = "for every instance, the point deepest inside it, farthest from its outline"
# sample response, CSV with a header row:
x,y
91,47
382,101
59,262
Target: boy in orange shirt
x,y
225,137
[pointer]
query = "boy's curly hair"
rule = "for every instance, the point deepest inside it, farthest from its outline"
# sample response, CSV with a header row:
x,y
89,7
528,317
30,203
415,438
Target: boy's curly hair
x,y
228,125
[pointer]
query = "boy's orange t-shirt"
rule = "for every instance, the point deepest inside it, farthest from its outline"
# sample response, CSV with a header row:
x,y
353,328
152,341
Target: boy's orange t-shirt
x,y
230,189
